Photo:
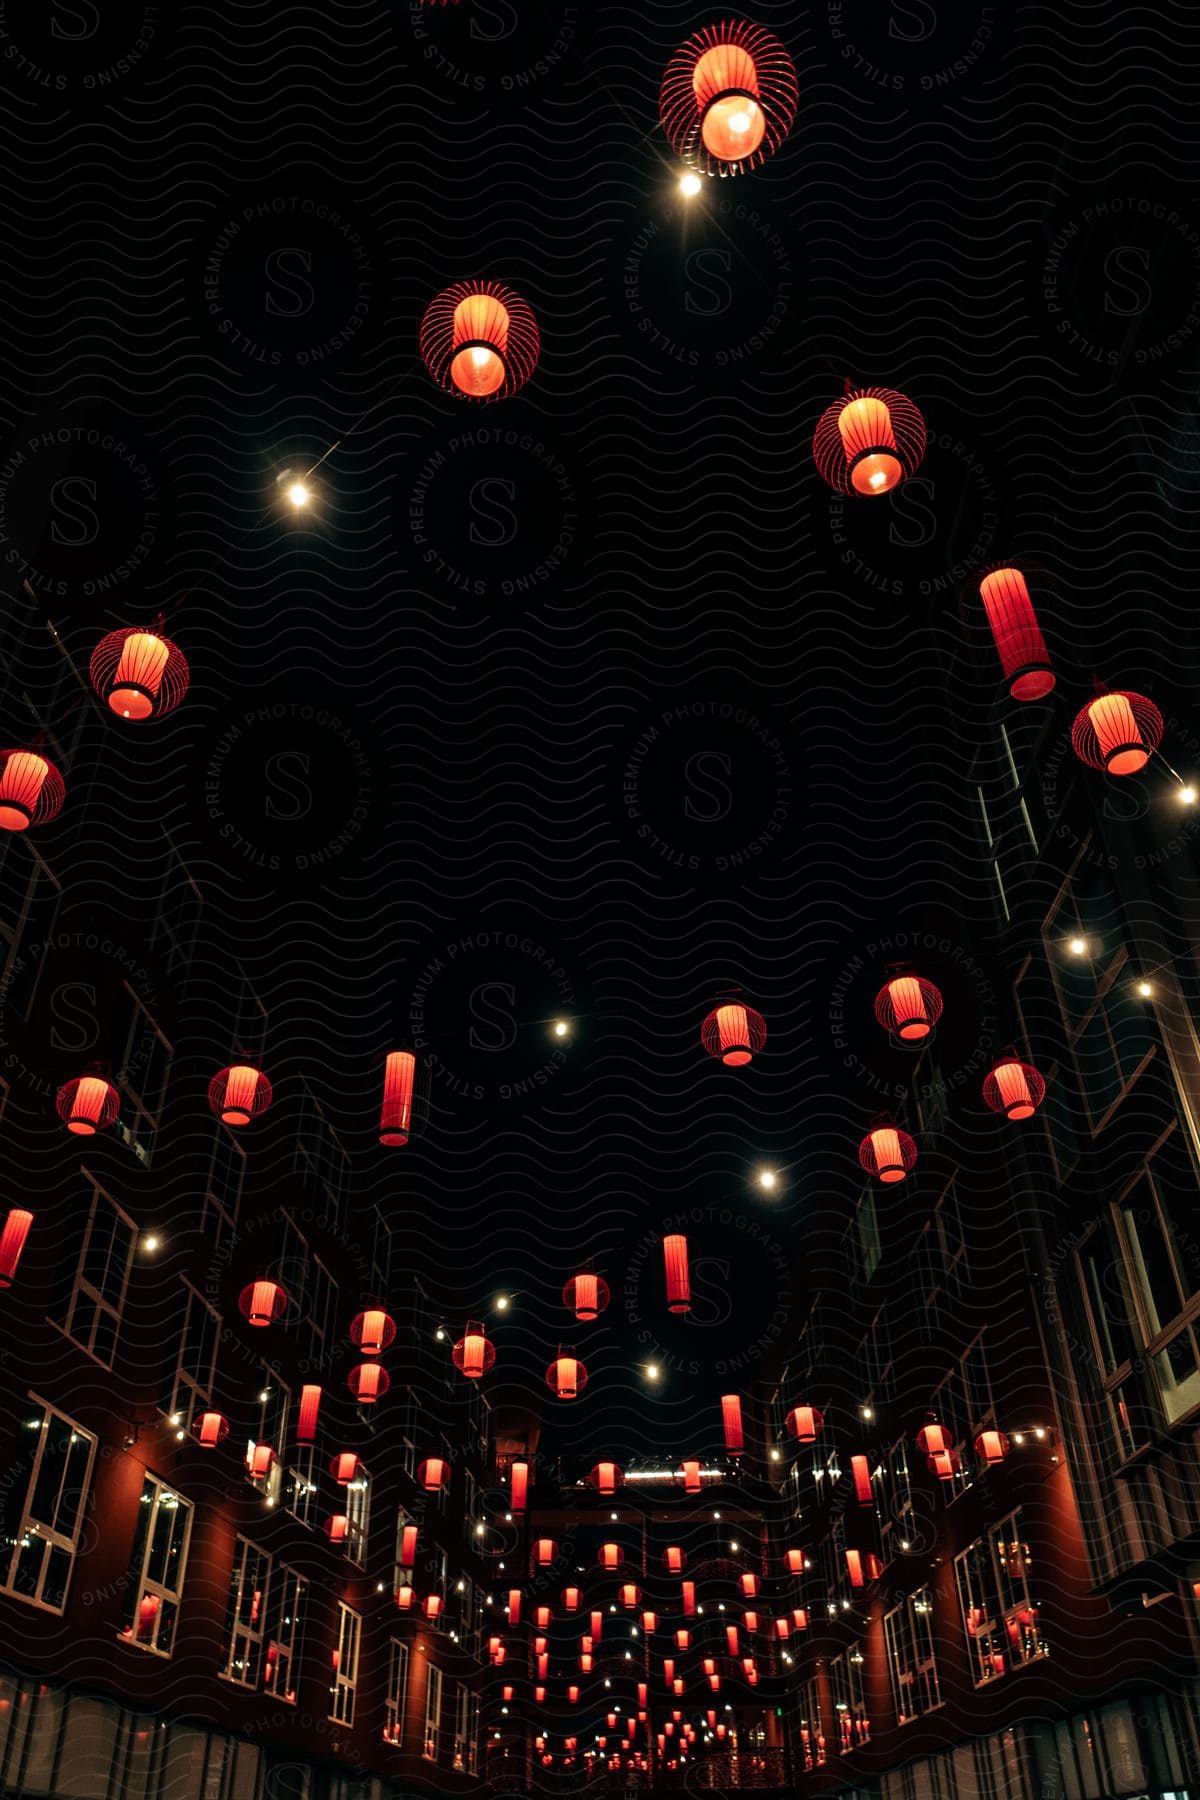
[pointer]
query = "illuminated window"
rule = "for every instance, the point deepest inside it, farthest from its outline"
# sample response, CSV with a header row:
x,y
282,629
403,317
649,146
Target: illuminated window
x,y
223,1189
285,1634
851,1724
188,1383
42,1540
156,1570
912,1665
358,1512
300,1482
345,1665
812,1737
1163,1264
397,1691
142,1079
1000,1618
274,1404
246,1614
896,1501
433,1711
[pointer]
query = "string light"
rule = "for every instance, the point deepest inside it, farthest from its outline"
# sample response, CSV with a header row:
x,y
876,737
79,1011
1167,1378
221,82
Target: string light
x,y
690,185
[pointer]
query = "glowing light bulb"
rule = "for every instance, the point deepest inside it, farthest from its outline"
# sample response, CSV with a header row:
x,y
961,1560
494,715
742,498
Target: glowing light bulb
x,y
1145,990
1187,794
652,1371
1077,947
689,186
561,1028
767,1178
502,1304
298,494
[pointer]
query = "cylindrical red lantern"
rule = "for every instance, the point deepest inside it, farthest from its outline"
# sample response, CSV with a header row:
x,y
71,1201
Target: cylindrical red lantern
x,y
260,1460
543,1618
369,1382
731,1639
631,1596
674,1559
945,1464
31,790
735,1033
728,98
794,1562
1014,1088
519,1486
262,1302
345,1467
688,1476
887,1153
597,1624
609,1556
88,1104
731,1421
210,1429
688,1593
675,1263
433,1474
683,1638
1016,634
338,1526
748,1581
474,1353
571,1596
991,1447
750,1621
804,1423
139,674
566,1377
649,1623
909,1007
396,1111
868,441
606,1478
310,1406
573,1694
433,1605
12,1243
586,1295
544,1552
860,1470
932,1438
372,1330
1117,733
408,1546
239,1094
479,339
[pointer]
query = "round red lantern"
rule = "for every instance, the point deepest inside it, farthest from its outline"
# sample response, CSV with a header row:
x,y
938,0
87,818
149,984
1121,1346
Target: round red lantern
x,y
31,790
544,1552
474,1354
606,1478
260,1460
566,1377
372,1331
368,1382
479,339
868,441
139,674
728,98
631,1595
1014,1088
991,1447
210,1429
945,1464
238,1094
1117,733
571,1596
610,1556
1016,634
262,1302
687,1476
586,1295
804,1423
932,1439
733,1032
345,1467
908,1006
404,1598
794,1562
88,1104
433,1474
338,1526
887,1153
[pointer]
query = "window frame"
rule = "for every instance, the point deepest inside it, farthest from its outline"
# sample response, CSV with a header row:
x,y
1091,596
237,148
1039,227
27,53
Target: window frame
x,y
343,1688
145,1585
285,1636
68,1543
395,1699
912,1654
182,1379
434,1700
241,1635
82,1286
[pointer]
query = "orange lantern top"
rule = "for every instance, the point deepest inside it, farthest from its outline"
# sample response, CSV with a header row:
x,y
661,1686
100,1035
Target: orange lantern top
x,y
139,674
239,1094
31,790
586,1295
734,1032
868,441
887,1153
728,98
1117,732
474,1353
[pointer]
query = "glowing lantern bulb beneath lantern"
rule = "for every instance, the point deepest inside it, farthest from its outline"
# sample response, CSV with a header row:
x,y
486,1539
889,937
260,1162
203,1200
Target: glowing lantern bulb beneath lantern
x,y
477,370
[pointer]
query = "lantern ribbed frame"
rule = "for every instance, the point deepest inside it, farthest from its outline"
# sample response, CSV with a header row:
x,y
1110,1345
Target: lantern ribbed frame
x,y
143,666
733,1032
517,347
686,96
88,1104
238,1094
210,1429
586,1295
907,434
887,1153
1014,1088
368,1382
372,1330
262,1302
1024,659
805,1423
1117,732
606,1478
474,1354
991,1447
31,789
566,1376
908,1006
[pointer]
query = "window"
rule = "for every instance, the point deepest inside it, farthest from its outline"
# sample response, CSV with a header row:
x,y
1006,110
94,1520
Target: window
x,y
952,1409
319,1160
849,1706
895,1501
381,1254
1110,1032
274,1402
977,1388
246,1616
223,1193
999,1617
178,915
345,1665
358,1509
322,1314
409,1414
285,1634
300,1483
142,1078
1163,1261
870,1247
908,1631
880,1361
249,1021
157,1567
812,1738
397,1693
406,1549
433,1710
97,1297
41,1542
29,901
188,1381
465,1728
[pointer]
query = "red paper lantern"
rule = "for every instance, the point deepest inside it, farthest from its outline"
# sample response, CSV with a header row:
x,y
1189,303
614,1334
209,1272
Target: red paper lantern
x,y
794,1562
573,1694
88,1104
1016,634
728,98
480,340
260,1460
571,1596
597,1624
586,1295
606,1478
862,1566
433,1474
345,1467
683,1639
210,1429
544,1552
566,1377
139,674
12,1243
239,1094
868,441
338,1526
945,1464
675,1262
731,1420
688,1476
750,1621
909,1007
433,1605
543,1618
735,1033
631,1596
688,1593
674,1559
519,1483
887,1153
804,1423
396,1111
649,1623
474,1353
408,1546
610,1556
368,1383
372,1331
310,1406
262,1302
800,1618
748,1582
1117,732
731,1639
860,1469
1014,1088
991,1447
31,790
